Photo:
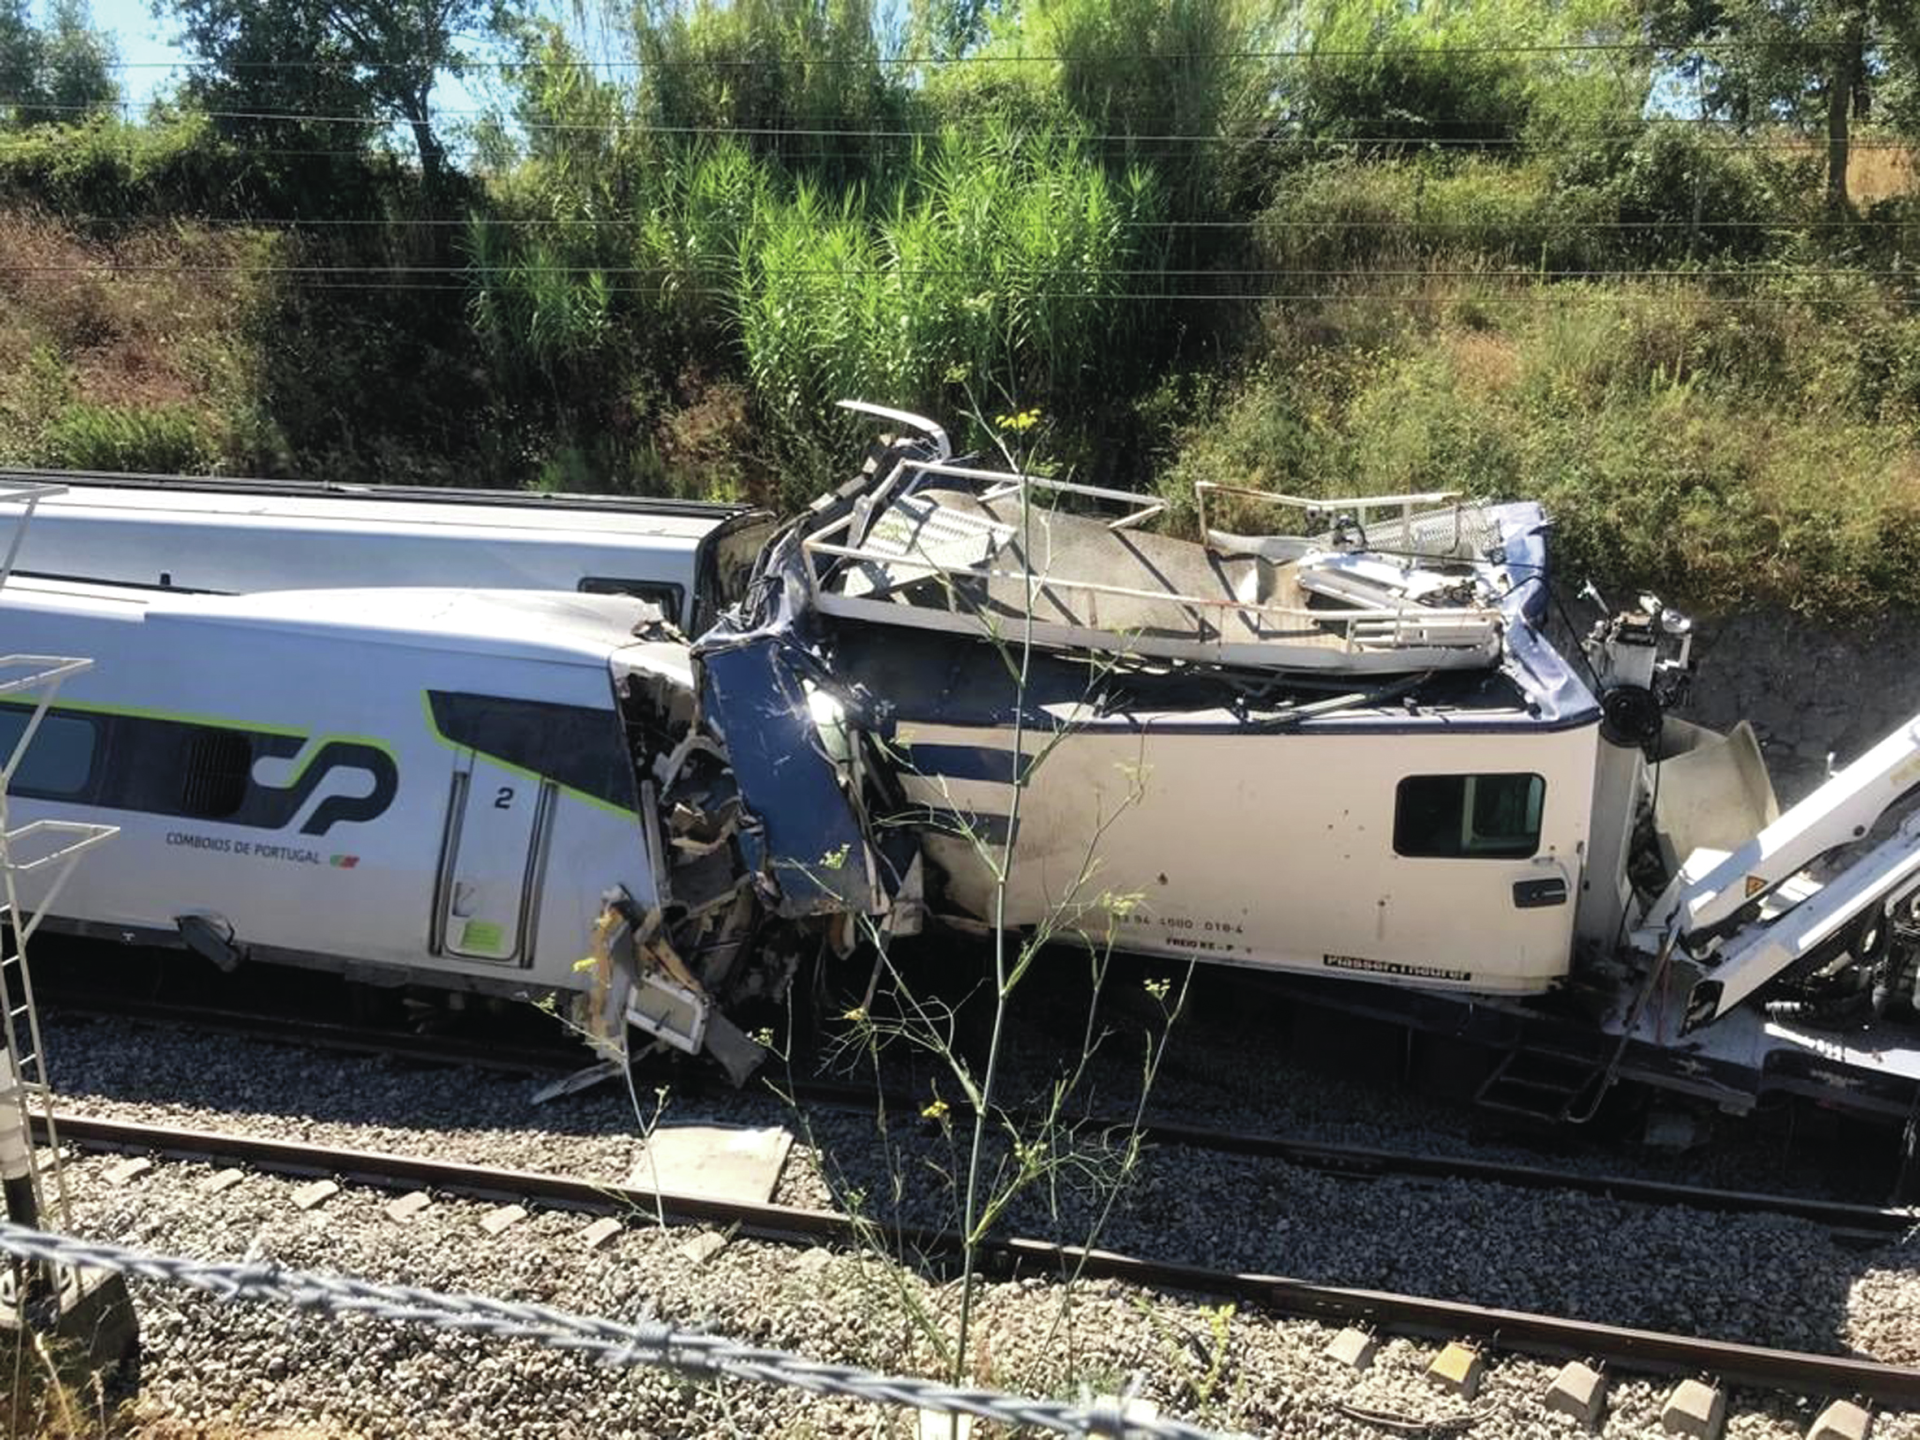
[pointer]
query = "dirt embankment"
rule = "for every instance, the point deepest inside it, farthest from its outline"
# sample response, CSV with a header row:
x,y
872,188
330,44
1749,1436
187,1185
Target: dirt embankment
x,y
1809,691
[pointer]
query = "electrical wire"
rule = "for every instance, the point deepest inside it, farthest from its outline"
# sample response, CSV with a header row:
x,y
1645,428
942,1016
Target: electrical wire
x,y
1093,297
629,218
116,270
916,59
630,126
867,272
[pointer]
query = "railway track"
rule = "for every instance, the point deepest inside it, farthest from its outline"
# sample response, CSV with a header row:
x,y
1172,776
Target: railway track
x,y
1848,1223
514,1057
1512,1331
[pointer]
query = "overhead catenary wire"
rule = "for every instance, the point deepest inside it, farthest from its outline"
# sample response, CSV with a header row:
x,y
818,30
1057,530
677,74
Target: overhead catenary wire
x,y
916,59
1536,295
857,272
1331,223
635,126
961,272
1232,280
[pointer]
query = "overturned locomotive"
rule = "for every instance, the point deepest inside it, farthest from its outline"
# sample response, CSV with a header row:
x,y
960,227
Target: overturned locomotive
x,y
1346,752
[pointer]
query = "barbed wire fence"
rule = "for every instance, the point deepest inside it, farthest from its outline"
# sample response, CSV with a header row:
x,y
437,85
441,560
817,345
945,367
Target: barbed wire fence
x,y
650,1343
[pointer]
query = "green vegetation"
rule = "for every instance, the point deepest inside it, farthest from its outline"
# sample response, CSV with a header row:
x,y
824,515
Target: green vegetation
x,y
1648,260
1760,454
56,72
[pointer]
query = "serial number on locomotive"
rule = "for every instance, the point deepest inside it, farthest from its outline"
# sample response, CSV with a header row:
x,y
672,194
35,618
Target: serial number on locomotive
x,y
1184,932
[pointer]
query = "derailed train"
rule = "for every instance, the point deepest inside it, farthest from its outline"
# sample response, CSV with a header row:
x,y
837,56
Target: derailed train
x,y
1347,753
227,536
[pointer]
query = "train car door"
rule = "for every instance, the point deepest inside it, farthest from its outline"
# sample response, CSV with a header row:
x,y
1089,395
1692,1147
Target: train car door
x,y
491,861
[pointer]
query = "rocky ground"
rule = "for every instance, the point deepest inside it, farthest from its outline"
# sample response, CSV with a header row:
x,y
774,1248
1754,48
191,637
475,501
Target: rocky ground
x,y
212,1364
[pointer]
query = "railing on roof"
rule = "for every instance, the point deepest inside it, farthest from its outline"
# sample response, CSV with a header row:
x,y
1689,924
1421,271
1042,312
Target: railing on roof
x,y
1400,637
1432,523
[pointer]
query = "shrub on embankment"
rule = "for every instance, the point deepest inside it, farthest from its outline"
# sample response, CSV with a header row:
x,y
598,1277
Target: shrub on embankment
x,y
103,368
1752,446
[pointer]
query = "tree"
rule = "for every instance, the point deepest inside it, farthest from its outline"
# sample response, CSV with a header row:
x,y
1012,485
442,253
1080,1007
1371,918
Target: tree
x,y
342,66
1810,63
61,71
1454,72
77,61
19,57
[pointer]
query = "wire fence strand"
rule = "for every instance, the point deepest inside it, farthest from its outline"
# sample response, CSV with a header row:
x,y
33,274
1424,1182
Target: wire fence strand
x,y
650,1343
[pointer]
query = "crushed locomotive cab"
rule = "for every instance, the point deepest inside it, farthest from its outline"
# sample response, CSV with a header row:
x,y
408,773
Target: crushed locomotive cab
x,y
1349,751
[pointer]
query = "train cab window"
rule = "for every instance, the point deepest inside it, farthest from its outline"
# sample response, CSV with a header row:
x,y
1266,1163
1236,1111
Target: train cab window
x,y
1468,817
219,764
59,762
578,746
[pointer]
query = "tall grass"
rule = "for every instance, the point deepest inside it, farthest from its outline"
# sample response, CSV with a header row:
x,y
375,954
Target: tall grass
x,y
801,84
1668,196
995,271
1385,73
997,267
1731,455
1174,85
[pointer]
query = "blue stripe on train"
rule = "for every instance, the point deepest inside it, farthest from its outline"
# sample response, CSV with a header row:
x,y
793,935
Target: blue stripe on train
x,y
995,830
961,762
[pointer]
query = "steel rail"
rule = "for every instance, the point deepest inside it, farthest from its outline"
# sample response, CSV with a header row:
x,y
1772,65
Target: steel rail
x,y
480,1052
1846,1221
1512,1330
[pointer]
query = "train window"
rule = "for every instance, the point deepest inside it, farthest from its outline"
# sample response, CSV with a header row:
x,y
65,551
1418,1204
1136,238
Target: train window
x,y
1468,817
670,598
59,762
219,765
578,746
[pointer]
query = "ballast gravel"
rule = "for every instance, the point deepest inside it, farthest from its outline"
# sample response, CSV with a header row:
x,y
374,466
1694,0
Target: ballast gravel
x,y
1763,1279
244,1369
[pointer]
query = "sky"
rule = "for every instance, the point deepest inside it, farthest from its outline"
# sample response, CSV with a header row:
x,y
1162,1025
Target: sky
x,y
140,37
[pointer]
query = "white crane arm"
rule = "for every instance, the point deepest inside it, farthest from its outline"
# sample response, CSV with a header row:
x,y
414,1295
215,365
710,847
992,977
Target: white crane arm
x,y
1769,948
1841,810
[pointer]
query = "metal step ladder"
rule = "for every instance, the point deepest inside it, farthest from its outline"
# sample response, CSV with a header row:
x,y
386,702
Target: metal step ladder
x,y
1548,1085
39,857
1564,1087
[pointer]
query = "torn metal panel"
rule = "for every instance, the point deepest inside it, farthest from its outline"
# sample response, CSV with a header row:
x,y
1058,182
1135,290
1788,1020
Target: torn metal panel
x,y
942,546
796,778
818,854
671,961
645,984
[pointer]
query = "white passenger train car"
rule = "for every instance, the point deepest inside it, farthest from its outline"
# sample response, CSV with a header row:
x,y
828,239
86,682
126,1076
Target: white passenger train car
x,y
234,536
413,785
